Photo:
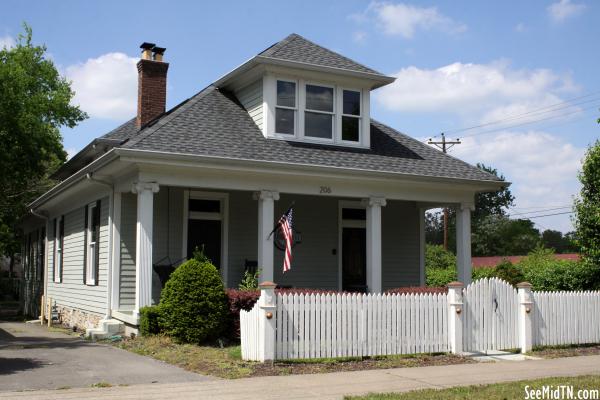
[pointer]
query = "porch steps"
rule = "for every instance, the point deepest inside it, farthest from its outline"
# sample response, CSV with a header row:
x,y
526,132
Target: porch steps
x,y
106,328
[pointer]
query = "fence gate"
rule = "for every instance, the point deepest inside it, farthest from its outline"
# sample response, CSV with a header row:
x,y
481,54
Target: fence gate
x,y
490,320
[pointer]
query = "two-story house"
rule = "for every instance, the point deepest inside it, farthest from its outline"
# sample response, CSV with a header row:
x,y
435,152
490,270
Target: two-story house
x,y
290,126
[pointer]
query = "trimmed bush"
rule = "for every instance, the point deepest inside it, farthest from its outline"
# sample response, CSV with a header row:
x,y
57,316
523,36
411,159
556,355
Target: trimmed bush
x,y
480,273
239,300
544,272
417,290
149,320
509,272
437,257
440,276
193,304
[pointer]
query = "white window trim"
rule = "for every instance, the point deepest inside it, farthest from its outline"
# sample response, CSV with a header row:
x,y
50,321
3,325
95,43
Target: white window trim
x,y
269,109
342,223
295,109
90,266
341,114
58,250
223,216
333,113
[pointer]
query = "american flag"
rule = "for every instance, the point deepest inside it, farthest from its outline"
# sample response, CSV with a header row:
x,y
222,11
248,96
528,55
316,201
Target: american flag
x,y
285,223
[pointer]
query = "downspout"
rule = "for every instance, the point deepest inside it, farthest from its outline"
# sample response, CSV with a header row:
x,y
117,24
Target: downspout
x,y
45,218
109,272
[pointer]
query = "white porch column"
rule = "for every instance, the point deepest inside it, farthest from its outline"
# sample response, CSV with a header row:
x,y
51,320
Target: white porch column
x,y
143,243
374,276
266,220
422,243
463,242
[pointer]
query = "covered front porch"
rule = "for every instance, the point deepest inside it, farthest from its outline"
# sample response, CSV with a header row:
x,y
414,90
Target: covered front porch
x,y
366,244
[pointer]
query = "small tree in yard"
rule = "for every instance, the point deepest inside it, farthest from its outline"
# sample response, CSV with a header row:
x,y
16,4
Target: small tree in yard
x,y
193,304
587,208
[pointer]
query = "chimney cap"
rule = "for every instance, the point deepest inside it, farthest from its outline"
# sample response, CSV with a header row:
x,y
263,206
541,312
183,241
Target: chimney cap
x,y
159,50
147,46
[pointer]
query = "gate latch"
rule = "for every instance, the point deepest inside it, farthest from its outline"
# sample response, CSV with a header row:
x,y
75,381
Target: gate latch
x,y
495,305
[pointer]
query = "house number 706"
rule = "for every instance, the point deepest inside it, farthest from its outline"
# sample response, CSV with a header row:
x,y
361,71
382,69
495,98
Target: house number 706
x,y
324,189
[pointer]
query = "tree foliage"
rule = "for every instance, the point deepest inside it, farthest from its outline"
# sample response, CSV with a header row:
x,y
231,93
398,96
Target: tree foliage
x,y
587,207
34,104
500,236
492,203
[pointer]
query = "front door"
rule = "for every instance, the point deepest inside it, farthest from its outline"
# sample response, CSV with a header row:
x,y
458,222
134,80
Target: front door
x,y
205,224
354,259
353,244
205,234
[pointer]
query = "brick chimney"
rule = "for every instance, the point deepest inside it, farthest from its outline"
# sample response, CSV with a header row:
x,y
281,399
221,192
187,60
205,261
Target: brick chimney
x,y
152,83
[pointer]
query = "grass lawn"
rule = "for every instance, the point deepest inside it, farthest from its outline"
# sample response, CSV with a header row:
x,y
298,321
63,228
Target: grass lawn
x,y
226,362
500,391
566,351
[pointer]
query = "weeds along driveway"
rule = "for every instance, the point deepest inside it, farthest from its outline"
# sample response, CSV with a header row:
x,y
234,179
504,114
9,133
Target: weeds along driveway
x,y
33,357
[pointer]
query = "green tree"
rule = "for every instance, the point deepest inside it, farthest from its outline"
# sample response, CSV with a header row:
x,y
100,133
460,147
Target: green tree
x,y
500,236
560,243
587,207
492,203
34,104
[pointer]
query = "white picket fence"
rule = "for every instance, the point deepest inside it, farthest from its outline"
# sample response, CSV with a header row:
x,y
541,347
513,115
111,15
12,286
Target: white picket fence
x,y
250,333
487,315
561,318
490,316
351,325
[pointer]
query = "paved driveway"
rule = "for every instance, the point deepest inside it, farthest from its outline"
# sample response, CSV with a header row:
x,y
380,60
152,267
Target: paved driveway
x,y
31,357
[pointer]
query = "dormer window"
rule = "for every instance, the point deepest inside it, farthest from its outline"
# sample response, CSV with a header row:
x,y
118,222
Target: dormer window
x,y
317,112
285,109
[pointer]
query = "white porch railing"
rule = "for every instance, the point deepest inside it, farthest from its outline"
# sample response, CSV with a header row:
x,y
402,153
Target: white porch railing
x,y
487,315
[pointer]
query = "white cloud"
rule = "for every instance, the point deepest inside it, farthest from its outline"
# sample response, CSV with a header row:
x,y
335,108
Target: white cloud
x,y
405,20
106,87
542,167
472,89
71,151
7,42
520,27
563,10
359,37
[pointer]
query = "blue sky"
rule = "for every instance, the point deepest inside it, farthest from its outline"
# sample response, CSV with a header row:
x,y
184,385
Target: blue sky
x,y
458,64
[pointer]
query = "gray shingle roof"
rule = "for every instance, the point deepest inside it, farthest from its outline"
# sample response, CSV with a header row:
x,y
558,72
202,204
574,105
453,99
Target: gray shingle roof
x,y
298,49
123,132
213,123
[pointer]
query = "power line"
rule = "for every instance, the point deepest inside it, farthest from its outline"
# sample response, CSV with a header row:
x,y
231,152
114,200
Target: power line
x,y
547,215
534,111
539,211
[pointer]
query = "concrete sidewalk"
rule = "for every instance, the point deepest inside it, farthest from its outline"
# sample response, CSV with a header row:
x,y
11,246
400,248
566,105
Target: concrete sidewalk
x,y
336,385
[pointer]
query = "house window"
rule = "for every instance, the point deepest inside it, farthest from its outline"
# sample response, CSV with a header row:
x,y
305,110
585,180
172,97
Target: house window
x,y
318,115
59,238
351,117
92,246
285,109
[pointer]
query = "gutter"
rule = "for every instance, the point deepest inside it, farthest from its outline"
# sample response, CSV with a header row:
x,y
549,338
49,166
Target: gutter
x,y
111,226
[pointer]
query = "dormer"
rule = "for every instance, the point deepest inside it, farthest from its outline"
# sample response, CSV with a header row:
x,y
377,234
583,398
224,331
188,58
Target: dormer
x,y
299,91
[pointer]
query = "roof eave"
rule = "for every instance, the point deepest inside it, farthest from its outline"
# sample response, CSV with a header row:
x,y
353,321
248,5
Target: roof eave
x,y
480,185
377,79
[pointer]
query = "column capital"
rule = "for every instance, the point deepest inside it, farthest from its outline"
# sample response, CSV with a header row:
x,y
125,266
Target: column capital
x,y
265,194
467,206
374,201
139,187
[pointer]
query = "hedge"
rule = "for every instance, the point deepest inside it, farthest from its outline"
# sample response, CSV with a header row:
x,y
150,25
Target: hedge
x,y
149,320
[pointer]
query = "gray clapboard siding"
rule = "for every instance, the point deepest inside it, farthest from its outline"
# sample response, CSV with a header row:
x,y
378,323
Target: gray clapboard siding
x,y
252,99
127,248
72,292
400,244
243,234
313,264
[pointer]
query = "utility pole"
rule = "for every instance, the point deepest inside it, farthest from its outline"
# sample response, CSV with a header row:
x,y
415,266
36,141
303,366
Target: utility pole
x,y
444,145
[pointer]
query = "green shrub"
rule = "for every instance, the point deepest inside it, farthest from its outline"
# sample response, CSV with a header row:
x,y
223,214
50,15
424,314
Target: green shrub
x,y
509,272
439,276
149,320
193,304
479,273
249,281
544,272
437,257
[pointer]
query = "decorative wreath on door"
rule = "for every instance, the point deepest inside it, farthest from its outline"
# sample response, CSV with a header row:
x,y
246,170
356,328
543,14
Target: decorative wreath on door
x,y
279,238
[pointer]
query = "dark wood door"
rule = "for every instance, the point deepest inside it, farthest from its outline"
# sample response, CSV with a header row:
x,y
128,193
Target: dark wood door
x,y
205,233
354,259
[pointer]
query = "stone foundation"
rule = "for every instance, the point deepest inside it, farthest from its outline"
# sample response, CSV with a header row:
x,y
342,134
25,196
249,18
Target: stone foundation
x,y
72,317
